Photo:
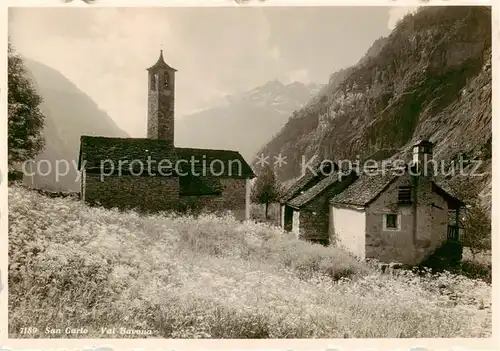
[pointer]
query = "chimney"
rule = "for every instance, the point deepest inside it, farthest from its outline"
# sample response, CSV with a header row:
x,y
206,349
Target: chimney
x,y
422,155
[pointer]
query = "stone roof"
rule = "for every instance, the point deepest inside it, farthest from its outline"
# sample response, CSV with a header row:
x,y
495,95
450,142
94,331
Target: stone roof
x,y
316,190
381,154
365,189
296,187
303,182
442,189
97,149
137,152
227,162
161,63
423,142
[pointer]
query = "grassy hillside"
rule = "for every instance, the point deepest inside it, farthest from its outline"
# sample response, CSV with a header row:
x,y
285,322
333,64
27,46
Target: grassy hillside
x,y
213,277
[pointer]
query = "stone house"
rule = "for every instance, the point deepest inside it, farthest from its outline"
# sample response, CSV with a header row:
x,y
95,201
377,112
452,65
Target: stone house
x,y
311,208
310,178
151,174
318,171
400,215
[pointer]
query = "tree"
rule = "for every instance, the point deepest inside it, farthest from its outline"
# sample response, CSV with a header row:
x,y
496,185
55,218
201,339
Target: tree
x,y
476,219
266,189
477,225
26,121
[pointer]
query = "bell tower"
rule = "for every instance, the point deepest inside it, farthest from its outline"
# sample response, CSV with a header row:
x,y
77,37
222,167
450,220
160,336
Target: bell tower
x,y
161,99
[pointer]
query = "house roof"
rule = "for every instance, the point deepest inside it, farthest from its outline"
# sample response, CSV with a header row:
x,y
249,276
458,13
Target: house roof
x,y
306,179
423,142
228,162
382,154
368,187
137,152
441,189
316,190
296,187
365,189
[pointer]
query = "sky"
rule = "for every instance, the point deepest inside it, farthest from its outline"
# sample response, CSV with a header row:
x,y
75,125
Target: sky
x,y
217,51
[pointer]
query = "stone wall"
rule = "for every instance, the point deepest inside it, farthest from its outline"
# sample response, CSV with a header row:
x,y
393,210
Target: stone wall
x,y
440,221
83,176
282,216
296,223
161,102
423,224
431,220
424,199
314,216
391,244
288,218
314,225
146,194
437,214
314,219
232,198
153,114
166,113
153,194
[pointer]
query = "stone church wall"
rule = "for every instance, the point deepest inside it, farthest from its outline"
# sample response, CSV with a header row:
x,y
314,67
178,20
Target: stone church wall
x,y
149,194
232,198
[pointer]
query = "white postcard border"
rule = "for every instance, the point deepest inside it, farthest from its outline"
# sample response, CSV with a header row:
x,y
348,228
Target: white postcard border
x,y
226,344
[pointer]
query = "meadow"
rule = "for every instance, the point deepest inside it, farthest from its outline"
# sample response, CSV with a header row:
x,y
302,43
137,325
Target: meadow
x,y
172,276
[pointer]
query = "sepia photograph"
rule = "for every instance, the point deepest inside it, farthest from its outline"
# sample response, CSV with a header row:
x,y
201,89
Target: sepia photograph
x,y
249,172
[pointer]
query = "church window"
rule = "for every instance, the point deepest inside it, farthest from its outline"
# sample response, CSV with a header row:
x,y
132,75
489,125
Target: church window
x,y
153,81
165,79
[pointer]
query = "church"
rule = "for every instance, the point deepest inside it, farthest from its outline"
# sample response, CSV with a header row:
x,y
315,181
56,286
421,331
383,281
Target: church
x,y
152,174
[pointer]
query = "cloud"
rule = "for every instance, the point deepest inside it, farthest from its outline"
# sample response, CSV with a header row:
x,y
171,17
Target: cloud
x,y
397,13
275,53
106,51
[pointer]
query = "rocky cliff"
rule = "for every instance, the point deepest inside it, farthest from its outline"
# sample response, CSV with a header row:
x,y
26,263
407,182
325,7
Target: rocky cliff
x,y
431,78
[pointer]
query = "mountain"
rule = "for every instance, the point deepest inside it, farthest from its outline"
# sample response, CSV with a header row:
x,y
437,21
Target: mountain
x,y
246,121
69,113
430,78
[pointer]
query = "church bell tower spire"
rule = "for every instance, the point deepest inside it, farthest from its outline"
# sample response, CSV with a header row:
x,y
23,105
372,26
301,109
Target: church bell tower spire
x,y
161,100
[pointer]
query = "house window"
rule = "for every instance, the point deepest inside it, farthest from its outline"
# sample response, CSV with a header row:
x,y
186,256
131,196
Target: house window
x,y
391,221
404,195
